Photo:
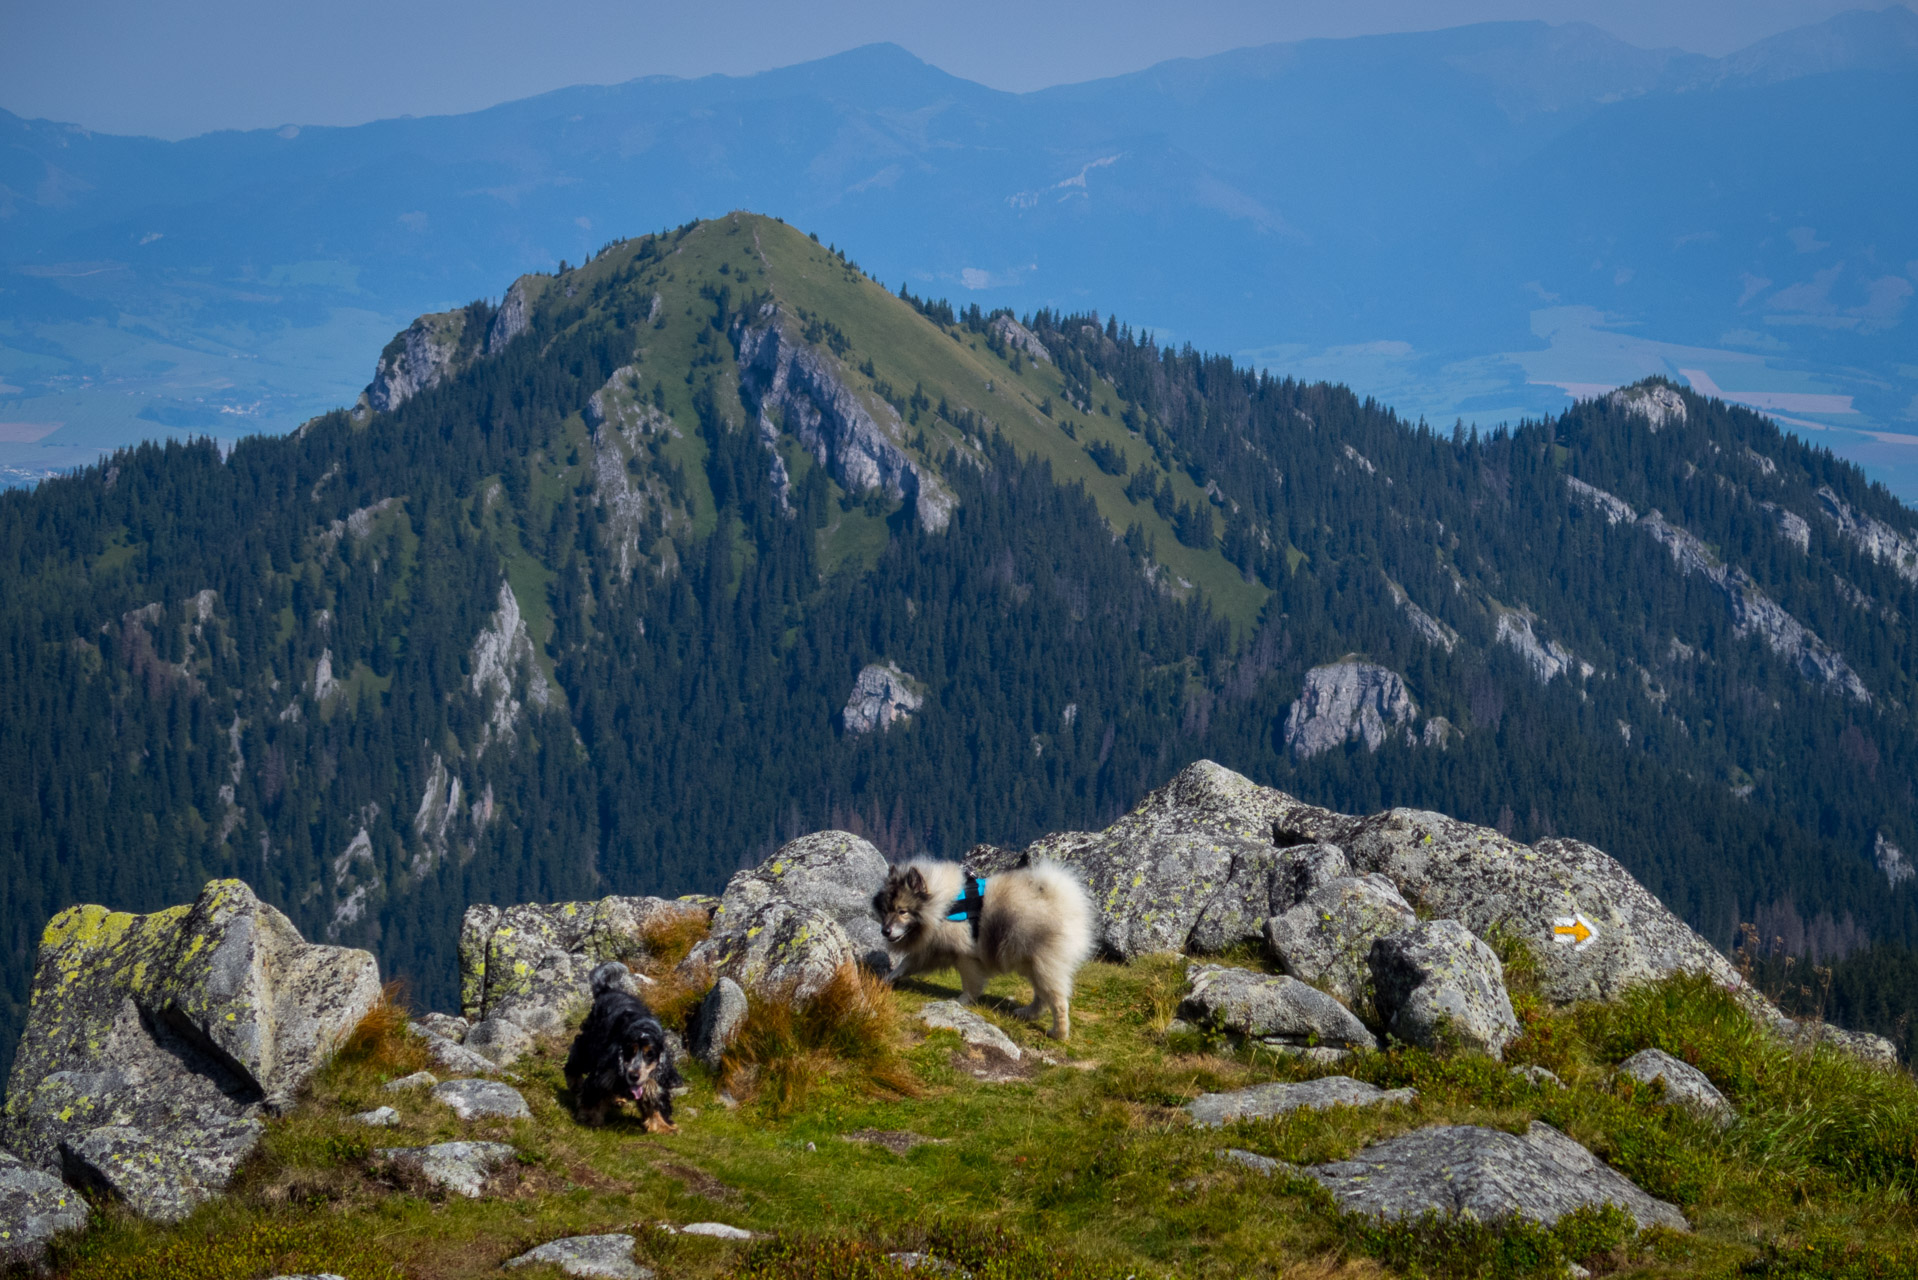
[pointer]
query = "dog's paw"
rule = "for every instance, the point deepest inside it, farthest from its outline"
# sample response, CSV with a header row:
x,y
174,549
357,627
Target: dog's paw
x,y
659,1124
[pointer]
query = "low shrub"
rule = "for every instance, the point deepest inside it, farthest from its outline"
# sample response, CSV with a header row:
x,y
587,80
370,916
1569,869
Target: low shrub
x,y
1440,1245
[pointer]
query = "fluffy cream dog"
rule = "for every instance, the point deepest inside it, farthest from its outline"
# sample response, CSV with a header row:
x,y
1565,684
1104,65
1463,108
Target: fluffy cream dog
x,y
1035,922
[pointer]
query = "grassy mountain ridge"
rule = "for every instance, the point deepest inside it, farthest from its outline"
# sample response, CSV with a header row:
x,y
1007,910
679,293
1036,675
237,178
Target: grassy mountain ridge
x,y
577,611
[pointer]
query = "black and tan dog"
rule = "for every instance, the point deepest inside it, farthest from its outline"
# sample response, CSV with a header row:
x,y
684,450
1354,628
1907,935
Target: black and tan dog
x,y
621,1054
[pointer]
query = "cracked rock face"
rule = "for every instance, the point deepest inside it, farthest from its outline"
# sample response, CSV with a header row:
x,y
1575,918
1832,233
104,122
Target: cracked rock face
x,y
1210,1110
1657,405
154,1043
415,361
1327,938
1347,702
1456,1170
1270,1007
1438,986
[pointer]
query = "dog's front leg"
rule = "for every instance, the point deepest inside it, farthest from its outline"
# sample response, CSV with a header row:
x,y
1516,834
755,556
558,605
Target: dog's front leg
x,y
972,979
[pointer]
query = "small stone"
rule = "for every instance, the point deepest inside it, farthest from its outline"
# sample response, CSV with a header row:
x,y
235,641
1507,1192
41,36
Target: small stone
x,y
811,1147
34,1207
474,1099
608,1257
378,1117
1539,1076
1685,1085
1210,1110
950,1015
418,1080
727,1101
719,1019
717,1230
459,1167
1257,1163
455,1057
443,1024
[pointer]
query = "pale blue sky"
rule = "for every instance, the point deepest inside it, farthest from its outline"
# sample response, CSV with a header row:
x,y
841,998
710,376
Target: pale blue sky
x,y
173,68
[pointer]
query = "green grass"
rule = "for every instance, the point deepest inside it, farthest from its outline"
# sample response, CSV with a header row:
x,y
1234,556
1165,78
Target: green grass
x,y
1086,1165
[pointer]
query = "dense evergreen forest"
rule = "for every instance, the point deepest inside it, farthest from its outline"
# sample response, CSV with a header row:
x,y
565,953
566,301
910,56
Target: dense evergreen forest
x,y
570,603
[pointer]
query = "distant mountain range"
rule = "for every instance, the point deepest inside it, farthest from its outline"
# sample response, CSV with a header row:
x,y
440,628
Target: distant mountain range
x,y
1475,222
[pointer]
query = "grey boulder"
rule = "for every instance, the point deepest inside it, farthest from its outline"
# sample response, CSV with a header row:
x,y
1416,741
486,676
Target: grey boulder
x,y
830,874
1327,938
721,1014
459,1167
1685,1085
1262,1101
608,1257
154,1043
34,1208
779,949
1272,1007
1466,1170
530,964
499,1040
1438,986
479,1099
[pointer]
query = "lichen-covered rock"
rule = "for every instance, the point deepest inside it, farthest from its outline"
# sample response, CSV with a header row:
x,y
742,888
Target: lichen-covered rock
x,y
950,1015
530,964
459,1167
1685,1085
780,950
881,697
1347,702
154,1042
1481,879
608,1257
1206,848
720,1016
34,1207
499,1040
1490,1175
1327,938
1438,986
443,1024
1210,1110
1265,1006
832,873
1303,868
476,1099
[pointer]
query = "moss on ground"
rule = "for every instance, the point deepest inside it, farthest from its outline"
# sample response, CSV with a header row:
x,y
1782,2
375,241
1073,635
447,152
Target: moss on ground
x,y
1084,1166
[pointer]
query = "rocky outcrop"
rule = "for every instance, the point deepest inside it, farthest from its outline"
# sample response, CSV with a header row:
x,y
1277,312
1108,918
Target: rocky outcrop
x,y
1487,1174
1438,986
1276,1009
529,966
1548,659
881,697
1754,611
1792,527
155,1043
1658,405
1199,849
1262,1101
804,386
1424,625
779,950
514,314
1019,338
503,665
1615,509
1870,535
1684,1085
34,1208
417,360
1891,861
1348,702
1327,938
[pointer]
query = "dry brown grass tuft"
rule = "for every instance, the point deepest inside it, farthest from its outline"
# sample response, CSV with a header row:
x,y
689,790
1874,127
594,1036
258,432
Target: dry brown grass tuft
x,y
849,1030
380,1042
670,935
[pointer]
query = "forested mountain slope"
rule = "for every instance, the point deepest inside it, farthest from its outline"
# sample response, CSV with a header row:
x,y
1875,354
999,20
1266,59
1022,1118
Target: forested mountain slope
x,y
572,601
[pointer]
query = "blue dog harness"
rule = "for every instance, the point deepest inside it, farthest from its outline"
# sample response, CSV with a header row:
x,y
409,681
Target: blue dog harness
x,y
969,904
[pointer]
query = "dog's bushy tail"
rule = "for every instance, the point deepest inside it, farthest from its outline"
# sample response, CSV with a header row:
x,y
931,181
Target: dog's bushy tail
x,y
612,976
1072,910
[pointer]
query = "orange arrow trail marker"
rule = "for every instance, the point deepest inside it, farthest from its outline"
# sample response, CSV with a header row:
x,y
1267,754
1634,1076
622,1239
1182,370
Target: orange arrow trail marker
x,y
1574,931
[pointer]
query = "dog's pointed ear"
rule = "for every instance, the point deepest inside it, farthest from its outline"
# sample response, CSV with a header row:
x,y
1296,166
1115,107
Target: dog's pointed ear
x,y
915,881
